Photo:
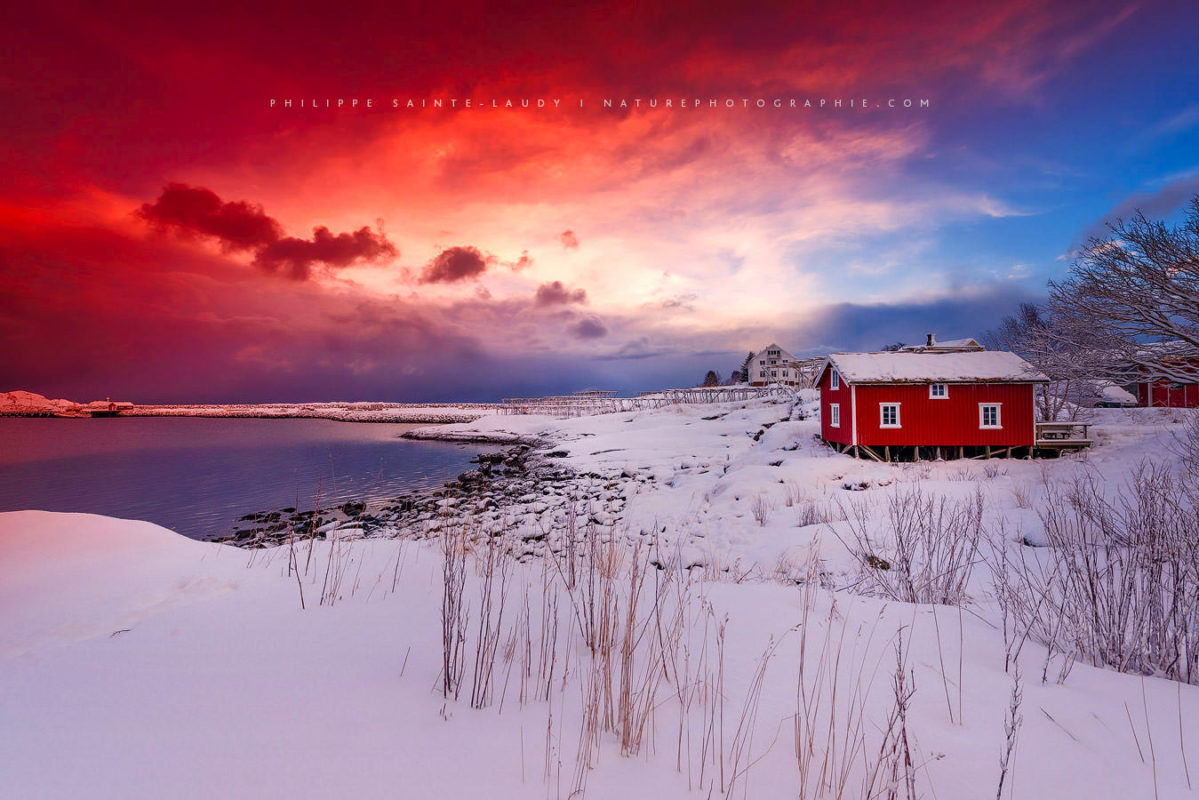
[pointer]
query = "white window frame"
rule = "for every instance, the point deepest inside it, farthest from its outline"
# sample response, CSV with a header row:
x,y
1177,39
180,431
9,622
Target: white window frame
x,y
882,415
834,381
932,395
834,418
982,416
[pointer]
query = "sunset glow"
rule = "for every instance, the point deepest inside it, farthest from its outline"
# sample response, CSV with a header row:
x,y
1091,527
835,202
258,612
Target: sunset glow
x,y
171,229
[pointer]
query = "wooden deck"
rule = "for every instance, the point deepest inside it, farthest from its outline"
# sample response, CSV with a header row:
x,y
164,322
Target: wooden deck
x,y
1063,435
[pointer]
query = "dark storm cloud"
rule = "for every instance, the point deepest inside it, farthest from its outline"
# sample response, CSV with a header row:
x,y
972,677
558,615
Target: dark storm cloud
x,y
569,240
455,264
1154,205
637,349
855,327
240,225
556,293
198,211
589,327
296,256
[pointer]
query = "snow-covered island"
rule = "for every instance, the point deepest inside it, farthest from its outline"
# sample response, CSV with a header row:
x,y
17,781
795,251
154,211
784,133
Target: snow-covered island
x,y
31,404
694,601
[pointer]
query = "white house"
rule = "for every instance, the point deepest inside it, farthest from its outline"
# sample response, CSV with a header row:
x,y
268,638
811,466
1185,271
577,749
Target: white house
x,y
774,365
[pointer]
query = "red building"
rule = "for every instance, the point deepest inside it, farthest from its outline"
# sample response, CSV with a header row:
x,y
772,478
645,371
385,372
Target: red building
x,y
1168,394
1179,360
928,405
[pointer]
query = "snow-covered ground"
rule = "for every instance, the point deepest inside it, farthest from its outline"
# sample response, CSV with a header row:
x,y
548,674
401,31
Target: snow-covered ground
x,y
137,663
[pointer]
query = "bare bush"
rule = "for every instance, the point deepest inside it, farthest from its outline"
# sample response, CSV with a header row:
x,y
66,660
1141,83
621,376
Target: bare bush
x,y
932,550
1186,442
1119,583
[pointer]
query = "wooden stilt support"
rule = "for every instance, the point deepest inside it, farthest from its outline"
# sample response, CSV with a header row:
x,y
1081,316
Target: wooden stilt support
x,y
961,451
887,451
870,452
988,451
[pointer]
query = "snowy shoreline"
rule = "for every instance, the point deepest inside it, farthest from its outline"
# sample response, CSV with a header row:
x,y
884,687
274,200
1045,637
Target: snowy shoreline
x,y
341,412
745,522
29,404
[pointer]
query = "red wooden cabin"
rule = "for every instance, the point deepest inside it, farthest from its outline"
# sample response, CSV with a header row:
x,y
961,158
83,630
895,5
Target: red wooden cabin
x,y
1167,394
928,405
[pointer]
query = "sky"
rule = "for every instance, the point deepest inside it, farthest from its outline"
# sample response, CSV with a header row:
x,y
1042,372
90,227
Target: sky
x,y
198,205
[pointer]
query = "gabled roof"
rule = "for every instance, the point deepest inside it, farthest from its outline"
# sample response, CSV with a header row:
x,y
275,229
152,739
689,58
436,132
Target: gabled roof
x,y
949,345
773,346
971,367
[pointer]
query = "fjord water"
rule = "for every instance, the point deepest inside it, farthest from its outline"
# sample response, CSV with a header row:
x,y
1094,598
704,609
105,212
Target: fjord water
x,y
198,476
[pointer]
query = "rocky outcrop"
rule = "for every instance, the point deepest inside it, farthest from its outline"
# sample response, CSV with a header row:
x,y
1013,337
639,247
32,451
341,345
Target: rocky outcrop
x,y
520,493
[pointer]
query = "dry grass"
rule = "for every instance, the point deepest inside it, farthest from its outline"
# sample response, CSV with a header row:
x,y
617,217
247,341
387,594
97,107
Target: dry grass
x,y
761,508
614,638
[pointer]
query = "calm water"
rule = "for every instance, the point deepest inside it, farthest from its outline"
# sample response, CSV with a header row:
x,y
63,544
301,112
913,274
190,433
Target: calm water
x,y
197,476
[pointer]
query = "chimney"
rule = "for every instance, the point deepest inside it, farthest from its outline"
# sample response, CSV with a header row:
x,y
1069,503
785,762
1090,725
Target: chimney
x,y
932,340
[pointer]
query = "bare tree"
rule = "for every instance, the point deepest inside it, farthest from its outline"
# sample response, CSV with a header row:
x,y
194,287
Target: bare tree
x,y
1134,298
1045,341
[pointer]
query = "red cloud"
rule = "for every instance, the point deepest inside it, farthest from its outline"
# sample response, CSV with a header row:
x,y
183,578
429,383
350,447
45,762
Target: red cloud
x,y
194,210
297,256
456,264
239,225
556,293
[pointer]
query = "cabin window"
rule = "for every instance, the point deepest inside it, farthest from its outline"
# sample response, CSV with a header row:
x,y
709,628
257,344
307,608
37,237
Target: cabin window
x,y
988,415
774,373
835,415
938,391
834,381
762,374
888,415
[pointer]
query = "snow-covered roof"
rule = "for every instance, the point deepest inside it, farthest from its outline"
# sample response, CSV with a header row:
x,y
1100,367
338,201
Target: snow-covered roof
x,y
971,367
772,346
939,346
